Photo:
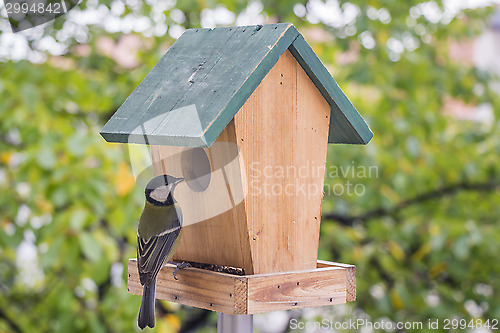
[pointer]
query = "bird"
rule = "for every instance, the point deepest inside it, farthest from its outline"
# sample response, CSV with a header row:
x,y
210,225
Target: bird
x,y
158,237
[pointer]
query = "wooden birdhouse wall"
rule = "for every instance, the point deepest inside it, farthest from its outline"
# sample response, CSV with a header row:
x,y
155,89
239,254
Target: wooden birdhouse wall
x,y
270,219
215,229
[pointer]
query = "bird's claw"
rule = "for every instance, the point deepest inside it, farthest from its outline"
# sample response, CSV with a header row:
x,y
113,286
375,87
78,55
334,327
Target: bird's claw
x,y
183,264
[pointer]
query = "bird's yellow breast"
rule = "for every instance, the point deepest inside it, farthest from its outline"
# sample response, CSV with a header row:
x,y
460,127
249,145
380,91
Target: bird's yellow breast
x,y
158,219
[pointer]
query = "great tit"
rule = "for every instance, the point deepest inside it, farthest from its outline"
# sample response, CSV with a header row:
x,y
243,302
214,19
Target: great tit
x,y
157,239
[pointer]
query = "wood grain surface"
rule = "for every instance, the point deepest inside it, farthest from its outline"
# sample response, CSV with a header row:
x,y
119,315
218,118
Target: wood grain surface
x,y
325,285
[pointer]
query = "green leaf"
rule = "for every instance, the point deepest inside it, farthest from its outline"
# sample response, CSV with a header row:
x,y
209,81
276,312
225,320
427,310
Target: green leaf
x,y
90,247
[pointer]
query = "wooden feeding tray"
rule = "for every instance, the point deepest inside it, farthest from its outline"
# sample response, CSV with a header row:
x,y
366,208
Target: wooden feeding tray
x,y
330,283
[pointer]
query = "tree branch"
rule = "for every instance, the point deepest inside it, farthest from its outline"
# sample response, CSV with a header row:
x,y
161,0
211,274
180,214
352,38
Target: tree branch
x,y
15,327
438,193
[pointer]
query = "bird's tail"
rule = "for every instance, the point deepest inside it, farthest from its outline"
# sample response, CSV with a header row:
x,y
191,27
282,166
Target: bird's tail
x,y
147,311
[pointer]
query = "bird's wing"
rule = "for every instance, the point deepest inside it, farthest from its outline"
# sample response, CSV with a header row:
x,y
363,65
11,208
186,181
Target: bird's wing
x,y
151,253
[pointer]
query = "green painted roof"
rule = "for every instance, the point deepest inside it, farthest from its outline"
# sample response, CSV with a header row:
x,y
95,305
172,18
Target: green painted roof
x,y
206,76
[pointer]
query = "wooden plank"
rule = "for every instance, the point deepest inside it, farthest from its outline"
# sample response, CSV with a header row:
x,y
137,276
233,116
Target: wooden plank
x,y
194,287
325,264
215,227
323,286
346,124
351,284
241,298
283,207
350,277
284,291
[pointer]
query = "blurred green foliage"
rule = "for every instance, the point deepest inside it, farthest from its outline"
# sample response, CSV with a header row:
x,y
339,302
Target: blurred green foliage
x,y
423,232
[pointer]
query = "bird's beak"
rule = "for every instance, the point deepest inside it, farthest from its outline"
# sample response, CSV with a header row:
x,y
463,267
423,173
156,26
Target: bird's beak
x,y
177,181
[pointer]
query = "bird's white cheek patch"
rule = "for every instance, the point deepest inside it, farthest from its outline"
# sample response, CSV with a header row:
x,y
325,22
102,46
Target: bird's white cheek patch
x,y
160,194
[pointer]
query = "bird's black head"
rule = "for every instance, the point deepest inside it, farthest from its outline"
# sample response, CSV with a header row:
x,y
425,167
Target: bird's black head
x,y
160,189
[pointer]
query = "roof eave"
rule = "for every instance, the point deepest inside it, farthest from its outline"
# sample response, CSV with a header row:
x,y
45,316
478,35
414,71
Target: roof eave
x,y
346,124
162,140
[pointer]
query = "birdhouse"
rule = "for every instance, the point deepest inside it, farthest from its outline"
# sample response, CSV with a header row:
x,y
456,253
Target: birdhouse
x,y
244,114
